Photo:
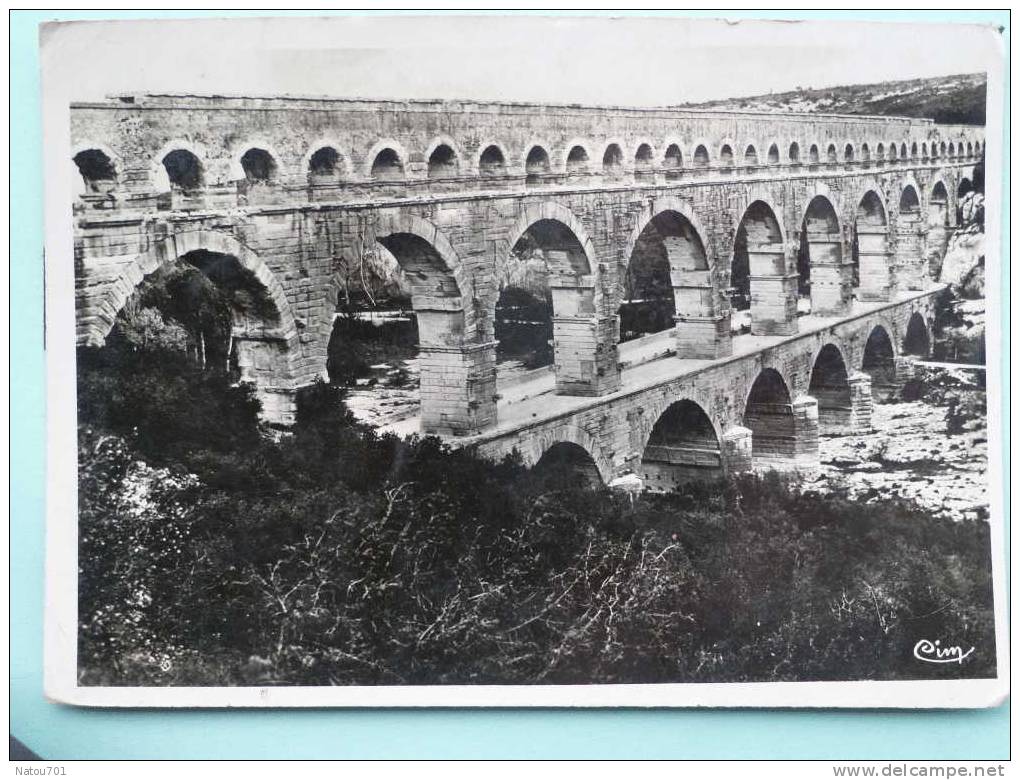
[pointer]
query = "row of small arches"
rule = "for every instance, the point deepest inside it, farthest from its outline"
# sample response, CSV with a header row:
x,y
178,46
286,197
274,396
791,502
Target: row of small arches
x,y
185,170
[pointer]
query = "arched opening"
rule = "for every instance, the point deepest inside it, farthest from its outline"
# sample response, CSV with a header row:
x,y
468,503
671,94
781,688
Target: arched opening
x,y
880,364
443,163
924,150
259,166
536,166
456,392
667,244
492,162
938,228
913,150
568,464
612,161
577,160
813,157
97,172
865,153
893,154
830,155
880,154
903,151
870,248
773,155
848,153
643,163
917,341
942,149
208,305
387,166
908,238
820,286
963,190
673,162
795,153
769,416
760,305
952,150
324,167
970,149
683,447
750,156
830,386
184,171
701,160
539,293
726,156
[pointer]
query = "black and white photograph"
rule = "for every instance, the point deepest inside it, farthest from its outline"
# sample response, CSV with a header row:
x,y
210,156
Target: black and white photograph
x,y
516,360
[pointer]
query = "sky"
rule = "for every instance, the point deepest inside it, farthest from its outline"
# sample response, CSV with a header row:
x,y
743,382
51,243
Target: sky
x,y
621,61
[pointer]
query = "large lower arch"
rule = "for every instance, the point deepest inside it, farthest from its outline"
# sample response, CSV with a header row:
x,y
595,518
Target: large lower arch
x,y
820,268
871,246
667,277
584,338
457,369
879,362
908,238
682,447
265,344
760,273
784,431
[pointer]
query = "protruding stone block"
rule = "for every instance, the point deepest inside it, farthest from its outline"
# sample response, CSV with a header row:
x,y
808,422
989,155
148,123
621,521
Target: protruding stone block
x,y
805,427
703,338
458,388
861,402
736,449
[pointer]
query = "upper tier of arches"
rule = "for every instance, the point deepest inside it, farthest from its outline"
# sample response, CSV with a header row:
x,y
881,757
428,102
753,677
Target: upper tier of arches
x,y
252,165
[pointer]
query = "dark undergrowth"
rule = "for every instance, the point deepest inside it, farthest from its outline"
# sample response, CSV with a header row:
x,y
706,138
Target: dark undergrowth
x,y
213,553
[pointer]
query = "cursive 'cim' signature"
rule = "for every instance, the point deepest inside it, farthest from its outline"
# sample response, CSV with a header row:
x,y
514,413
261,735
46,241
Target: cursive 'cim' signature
x,y
933,652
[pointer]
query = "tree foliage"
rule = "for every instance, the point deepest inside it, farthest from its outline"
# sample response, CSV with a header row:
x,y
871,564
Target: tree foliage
x,y
213,554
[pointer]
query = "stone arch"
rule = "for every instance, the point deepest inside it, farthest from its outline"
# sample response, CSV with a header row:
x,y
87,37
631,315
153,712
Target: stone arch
x,y
777,436
381,146
871,246
644,155
880,153
575,435
849,152
673,159
576,157
727,155
814,156
759,268
584,346
537,164
674,243
614,162
829,384
751,155
443,158
878,361
492,160
772,156
865,152
917,338
700,157
327,142
683,445
158,173
107,173
793,153
831,154
820,255
237,172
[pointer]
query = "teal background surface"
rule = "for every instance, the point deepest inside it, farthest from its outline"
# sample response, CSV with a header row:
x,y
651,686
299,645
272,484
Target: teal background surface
x,y
59,732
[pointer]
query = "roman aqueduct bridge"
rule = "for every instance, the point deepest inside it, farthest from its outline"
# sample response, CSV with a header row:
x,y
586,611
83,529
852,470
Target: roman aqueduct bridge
x,y
294,189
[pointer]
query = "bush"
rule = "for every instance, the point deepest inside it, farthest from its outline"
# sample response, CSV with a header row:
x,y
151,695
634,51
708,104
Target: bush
x,y
338,556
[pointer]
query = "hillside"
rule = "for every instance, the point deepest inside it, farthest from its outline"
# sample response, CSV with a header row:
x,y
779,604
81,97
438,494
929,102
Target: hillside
x,y
950,99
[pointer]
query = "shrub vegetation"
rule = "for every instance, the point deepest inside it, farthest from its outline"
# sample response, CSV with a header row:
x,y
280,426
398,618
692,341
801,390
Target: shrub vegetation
x,y
215,552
